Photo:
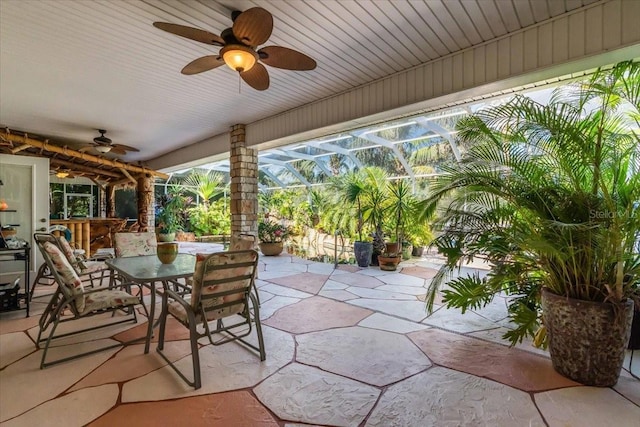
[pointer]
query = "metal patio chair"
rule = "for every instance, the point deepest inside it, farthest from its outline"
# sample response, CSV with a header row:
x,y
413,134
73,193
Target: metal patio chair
x,y
71,301
89,270
221,291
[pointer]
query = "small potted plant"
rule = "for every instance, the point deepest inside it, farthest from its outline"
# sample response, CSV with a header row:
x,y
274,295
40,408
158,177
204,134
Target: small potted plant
x,y
272,236
169,218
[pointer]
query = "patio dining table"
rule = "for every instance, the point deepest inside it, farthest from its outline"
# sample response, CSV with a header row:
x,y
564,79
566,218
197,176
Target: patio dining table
x,y
147,270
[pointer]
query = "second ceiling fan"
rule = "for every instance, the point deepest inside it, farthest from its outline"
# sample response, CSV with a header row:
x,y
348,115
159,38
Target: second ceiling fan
x,y
250,29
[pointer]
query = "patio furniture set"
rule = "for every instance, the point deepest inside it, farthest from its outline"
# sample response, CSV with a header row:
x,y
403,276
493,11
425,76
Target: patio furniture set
x,y
202,292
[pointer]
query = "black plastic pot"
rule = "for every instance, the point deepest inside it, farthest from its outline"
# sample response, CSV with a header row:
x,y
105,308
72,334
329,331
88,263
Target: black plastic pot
x,y
363,252
417,251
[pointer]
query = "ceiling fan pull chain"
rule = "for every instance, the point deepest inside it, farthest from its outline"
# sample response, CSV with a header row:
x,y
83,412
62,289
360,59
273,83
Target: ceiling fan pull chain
x,y
239,84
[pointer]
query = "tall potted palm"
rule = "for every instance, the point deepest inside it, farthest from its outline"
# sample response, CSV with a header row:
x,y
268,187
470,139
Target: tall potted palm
x,y
549,194
400,204
354,191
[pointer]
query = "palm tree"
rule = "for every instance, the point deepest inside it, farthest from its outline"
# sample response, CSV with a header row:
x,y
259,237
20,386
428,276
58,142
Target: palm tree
x,y
549,194
206,185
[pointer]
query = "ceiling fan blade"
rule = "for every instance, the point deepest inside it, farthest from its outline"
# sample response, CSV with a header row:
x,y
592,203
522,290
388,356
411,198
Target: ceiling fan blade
x,y
203,64
288,59
118,150
253,26
190,33
257,77
124,147
85,148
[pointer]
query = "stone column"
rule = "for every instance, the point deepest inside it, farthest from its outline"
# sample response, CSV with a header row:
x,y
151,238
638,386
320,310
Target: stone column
x,y
146,214
244,184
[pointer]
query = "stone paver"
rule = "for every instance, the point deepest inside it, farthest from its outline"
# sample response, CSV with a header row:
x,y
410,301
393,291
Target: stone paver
x,y
315,314
391,324
224,368
76,408
495,335
368,355
304,394
402,280
332,285
306,282
422,272
380,294
237,409
445,397
355,328
510,366
338,295
24,385
587,407
268,308
454,320
410,310
14,346
284,291
357,280
629,387
131,362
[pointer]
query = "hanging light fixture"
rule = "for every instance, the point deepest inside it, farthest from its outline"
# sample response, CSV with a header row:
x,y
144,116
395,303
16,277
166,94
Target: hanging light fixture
x,y
62,174
102,148
238,57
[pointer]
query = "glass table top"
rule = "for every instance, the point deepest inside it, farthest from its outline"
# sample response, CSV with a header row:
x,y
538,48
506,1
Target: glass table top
x,y
149,268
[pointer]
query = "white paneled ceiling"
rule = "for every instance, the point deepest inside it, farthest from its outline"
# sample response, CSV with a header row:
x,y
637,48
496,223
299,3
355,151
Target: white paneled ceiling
x,y
69,67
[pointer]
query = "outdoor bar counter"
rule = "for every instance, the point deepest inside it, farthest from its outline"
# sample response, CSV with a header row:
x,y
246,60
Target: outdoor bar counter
x,y
90,234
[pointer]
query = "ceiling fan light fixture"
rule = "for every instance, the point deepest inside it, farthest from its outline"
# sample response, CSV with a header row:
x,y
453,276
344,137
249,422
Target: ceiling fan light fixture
x,y
103,148
62,174
238,57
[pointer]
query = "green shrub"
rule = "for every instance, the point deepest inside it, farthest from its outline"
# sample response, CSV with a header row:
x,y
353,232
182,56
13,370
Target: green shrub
x,y
210,220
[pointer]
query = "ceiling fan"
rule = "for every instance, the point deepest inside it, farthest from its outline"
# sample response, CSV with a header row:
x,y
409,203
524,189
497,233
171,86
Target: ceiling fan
x,y
63,173
250,28
103,145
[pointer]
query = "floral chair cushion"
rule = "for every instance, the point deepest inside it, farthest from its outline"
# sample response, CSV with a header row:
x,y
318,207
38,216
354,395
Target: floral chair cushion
x,y
201,276
135,244
108,298
72,282
75,261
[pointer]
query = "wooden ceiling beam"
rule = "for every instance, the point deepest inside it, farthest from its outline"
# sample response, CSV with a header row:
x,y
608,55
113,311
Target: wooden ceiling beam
x,y
24,139
20,148
82,168
128,175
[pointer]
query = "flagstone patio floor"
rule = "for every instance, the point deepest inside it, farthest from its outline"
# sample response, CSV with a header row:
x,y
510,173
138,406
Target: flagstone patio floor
x,y
345,347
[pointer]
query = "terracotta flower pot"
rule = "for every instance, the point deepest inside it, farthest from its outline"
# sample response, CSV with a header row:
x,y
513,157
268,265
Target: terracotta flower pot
x,y
587,340
389,263
167,252
271,249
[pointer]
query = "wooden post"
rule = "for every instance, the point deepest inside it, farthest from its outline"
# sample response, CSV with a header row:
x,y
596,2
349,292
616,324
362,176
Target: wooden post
x,y
146,215
110,195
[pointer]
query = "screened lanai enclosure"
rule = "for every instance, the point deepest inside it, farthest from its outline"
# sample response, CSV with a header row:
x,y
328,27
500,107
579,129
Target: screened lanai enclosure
x,y
413,147
299,183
